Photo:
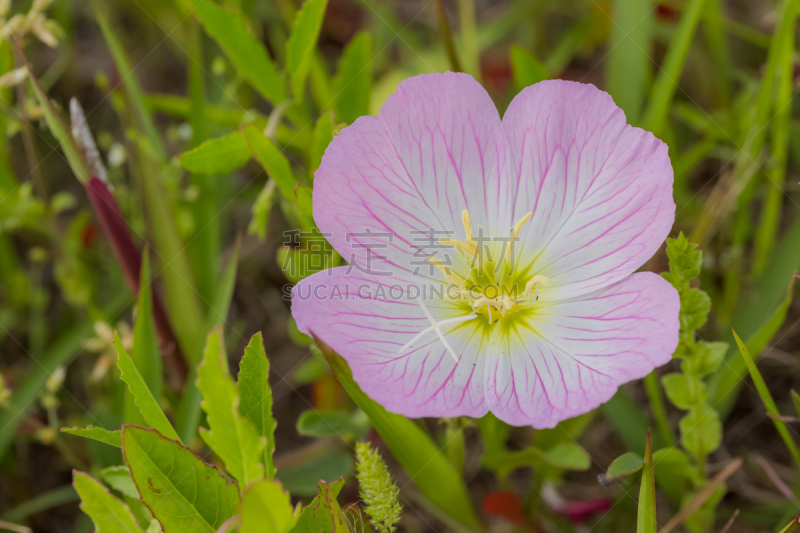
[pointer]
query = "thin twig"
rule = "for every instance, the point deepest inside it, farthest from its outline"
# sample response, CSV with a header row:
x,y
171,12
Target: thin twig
x,y
730,522
702,496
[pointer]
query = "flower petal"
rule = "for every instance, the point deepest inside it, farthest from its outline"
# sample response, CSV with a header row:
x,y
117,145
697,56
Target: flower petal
x,y
436,148
367,319
574,354
600,190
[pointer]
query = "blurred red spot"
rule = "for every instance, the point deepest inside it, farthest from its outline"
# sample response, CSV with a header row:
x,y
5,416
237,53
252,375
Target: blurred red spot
x,y
88,235
505,505
666,13
581,511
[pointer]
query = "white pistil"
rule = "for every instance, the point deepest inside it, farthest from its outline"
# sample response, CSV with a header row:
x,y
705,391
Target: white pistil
x,y
437,327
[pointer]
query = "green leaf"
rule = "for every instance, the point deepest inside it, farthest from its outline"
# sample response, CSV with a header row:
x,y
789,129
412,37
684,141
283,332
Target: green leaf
x,y
685,260
233,438
646,517
256,396
353,80
624,465
695,305
218,156
655,116
766,398
322,424
243,49
705,360
791,526
144,399
627,419
323,514
628,63
526,69
701,431
302,479
183,492
278,168
145,354
684,391
413,448
261,209
106,511
568,456
673,468
322,137
119,478
302,43
702,520
112,438
267,508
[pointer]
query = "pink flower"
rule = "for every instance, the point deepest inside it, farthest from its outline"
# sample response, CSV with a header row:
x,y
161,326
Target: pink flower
x,y
491,261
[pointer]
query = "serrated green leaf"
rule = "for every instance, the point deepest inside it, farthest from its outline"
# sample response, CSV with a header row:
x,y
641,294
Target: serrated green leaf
x,y
646,517
147,404
695,305
701,431
685,259
322,424
769,403
248,55
684,391
624,465
233,438
112,438
302,43
525,68
145,354
267,508
323,514
218,156
182,492
107,512
278,168
119,478
322,137
256,396
353,80
706,359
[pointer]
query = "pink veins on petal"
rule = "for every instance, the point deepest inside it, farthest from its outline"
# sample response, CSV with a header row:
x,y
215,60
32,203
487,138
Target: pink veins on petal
x,y
491,261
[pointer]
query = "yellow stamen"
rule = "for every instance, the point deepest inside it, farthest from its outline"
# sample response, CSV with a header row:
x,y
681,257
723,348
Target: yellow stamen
x,y
451,277
468,245
514,234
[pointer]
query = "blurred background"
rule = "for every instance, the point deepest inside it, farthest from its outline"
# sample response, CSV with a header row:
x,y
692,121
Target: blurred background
x,y
715,79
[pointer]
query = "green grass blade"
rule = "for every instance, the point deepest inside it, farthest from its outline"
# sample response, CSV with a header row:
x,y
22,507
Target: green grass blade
x,y
354,79
217,156
717,40
656,397
766,398
302,43
779,159
424,461
470,52
246,53
628,63
130,82
646,517
145,401
663,91
725,383
218,314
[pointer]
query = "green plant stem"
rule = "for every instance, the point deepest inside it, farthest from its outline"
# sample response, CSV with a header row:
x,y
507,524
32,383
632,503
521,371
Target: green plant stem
x,y
656,398
447,37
